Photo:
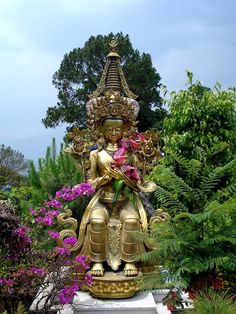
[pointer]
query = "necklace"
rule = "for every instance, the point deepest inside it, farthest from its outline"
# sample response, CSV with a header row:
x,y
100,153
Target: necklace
x,y
110,152
111,149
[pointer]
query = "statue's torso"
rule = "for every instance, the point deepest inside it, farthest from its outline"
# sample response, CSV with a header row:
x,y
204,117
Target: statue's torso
x,y
104,160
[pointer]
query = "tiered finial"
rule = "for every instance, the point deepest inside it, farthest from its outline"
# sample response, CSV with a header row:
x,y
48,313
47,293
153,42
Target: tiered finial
x,y
113,79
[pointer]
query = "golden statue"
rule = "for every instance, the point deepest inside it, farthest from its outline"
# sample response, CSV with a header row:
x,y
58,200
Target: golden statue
x,y
115,168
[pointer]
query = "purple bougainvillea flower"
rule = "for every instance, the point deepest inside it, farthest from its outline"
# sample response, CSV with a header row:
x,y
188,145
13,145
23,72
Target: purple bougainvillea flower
x,y
54,204
38,271
83,189
61,251
21,231
70,240
48,221
54,234
32,212
66,295
82,261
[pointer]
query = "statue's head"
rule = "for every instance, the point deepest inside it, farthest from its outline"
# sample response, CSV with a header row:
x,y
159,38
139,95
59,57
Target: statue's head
x,y
113,129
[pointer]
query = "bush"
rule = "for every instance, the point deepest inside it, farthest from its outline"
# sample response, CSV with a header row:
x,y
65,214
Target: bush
x,y
29,259
211,302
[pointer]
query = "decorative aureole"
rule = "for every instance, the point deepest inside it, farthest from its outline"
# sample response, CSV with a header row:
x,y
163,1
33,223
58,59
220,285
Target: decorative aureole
x,y
114,158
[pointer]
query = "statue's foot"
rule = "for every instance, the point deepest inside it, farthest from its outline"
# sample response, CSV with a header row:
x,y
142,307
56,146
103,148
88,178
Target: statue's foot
x,y
130,270
97,270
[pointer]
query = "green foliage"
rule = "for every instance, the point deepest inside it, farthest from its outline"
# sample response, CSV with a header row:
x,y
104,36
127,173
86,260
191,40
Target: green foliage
x,y
12,166
201,123
54,171
197,186
21,309
200,239
22,197
80,72
210,302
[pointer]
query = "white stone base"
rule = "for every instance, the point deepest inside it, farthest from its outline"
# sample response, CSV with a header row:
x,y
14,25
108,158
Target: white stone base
x,y
84,303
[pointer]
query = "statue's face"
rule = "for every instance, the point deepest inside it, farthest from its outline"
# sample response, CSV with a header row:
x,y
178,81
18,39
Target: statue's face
x,y
113,129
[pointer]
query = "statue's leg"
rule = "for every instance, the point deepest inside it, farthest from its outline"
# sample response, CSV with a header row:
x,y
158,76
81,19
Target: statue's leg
x,y
129,246
97,232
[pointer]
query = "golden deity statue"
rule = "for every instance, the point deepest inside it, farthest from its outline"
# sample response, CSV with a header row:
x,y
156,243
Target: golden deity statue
x,y
115,168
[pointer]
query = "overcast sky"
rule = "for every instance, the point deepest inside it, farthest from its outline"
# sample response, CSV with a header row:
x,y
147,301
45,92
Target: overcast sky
x,y
197,35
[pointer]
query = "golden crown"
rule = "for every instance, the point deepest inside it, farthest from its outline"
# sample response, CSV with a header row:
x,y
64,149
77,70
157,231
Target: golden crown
x,y
107,101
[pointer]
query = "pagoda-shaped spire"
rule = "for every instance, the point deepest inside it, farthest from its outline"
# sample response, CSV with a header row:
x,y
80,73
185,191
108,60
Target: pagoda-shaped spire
x,y
113,79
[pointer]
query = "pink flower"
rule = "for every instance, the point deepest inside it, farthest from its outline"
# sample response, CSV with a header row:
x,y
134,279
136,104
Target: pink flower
x,y
83,189
70,194
65,194
32,212
38,271
38,219
7,282
82,261
52,213
59,251
131,172
21,231
70,240
134,145
54,204
68,263
120,156
124,144
67,294
54,234
19,273
140,137
25,241
48,221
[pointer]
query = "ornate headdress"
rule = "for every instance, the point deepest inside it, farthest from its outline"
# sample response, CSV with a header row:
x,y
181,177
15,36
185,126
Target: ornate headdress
x,y
112,98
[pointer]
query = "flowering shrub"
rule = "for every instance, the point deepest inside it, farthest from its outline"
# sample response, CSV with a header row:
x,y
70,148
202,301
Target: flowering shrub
x,y
174,299
26,266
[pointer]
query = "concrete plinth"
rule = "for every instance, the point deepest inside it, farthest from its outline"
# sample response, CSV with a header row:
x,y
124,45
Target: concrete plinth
x,y
83,303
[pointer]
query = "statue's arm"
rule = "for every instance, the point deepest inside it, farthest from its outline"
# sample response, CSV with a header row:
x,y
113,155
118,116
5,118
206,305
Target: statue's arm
x,y
92,175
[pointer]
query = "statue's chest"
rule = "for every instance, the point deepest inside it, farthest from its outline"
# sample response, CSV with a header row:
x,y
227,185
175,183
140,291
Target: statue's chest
x,y
104,160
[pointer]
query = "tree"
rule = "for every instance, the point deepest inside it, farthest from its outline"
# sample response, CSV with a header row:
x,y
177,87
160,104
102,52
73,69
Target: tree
x,y
201,121
12,165
55,172
79,74
196,185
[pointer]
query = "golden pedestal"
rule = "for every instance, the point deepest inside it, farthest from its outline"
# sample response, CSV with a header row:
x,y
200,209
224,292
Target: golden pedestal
x,y
114,286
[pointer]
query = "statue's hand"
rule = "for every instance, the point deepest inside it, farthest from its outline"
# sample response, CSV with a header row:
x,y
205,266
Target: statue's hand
x,y
116,174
